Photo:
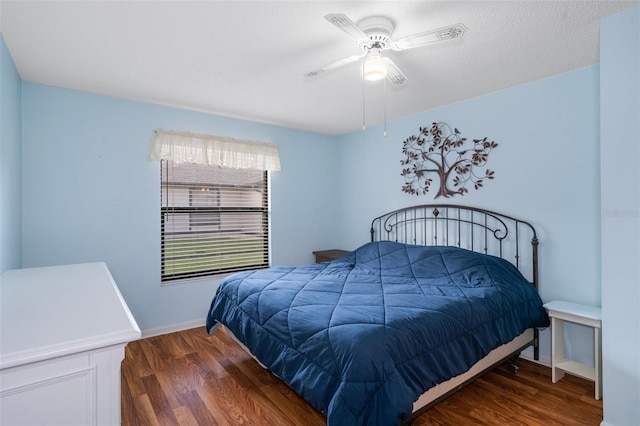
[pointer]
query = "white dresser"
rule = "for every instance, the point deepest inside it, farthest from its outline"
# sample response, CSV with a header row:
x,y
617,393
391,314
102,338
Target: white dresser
x,y
63,330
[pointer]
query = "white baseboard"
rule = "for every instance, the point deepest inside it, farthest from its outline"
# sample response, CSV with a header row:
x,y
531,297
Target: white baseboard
x,y
172,328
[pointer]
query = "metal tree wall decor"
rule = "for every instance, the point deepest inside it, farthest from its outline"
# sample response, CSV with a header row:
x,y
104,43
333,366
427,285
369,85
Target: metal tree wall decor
x,y
439,151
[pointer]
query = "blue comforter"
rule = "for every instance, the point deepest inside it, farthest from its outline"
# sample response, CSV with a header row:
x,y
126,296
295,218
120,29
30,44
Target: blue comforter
x,y
363,336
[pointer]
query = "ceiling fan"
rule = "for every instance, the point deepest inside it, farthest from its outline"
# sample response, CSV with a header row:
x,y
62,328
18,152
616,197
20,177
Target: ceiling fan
x,y
374,35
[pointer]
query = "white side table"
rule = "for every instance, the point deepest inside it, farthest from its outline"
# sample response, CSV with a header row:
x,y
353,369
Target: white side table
x,y
561,312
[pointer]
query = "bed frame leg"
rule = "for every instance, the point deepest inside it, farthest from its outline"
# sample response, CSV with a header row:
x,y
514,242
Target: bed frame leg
x,y
513,363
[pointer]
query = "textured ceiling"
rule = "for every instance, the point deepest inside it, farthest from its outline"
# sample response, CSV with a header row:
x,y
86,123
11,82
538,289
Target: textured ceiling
x,y
247,59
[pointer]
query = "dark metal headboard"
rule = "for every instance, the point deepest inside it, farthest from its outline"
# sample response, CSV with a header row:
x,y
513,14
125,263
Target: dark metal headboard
x,y
471,228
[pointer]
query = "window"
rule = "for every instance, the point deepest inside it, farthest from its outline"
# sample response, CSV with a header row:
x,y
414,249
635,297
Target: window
x,y
213,220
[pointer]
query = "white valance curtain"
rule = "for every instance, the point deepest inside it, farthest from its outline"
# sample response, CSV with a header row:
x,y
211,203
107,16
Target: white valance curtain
x,y
221,151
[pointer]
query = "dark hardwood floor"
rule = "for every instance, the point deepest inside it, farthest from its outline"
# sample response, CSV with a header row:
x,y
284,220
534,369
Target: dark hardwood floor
x,y
192,378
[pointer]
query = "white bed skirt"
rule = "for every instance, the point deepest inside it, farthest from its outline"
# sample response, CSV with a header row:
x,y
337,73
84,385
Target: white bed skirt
x,y
491,359
439,391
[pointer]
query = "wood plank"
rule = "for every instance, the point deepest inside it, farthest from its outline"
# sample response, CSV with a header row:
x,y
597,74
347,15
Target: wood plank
x,y
144,412
197,410
129,414
217,396
156,352
185,418
134,375
137,359
191,377
161,406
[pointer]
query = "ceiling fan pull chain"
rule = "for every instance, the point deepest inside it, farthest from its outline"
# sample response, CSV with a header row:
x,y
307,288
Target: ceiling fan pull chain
x,y
384,100
364,126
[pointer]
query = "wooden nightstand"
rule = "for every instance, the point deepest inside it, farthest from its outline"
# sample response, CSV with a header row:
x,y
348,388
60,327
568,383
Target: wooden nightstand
x,y
329,255
561,312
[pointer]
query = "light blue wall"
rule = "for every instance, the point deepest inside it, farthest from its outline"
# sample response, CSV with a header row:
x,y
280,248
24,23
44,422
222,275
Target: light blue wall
x,y
546,171
10,163
90,193
620,158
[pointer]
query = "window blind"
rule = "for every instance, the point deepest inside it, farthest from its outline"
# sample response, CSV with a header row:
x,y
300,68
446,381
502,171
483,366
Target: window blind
x,y
214,220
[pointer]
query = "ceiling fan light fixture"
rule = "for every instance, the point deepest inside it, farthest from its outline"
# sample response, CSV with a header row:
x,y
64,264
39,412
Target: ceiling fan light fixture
x,y
374,68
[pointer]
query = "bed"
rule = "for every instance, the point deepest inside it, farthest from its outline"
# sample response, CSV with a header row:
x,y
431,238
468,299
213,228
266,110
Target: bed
x,y
440,294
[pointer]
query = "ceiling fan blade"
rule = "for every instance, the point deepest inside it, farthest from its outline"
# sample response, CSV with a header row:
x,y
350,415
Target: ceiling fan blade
x,y
428,37
348,26
394,75
336,64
